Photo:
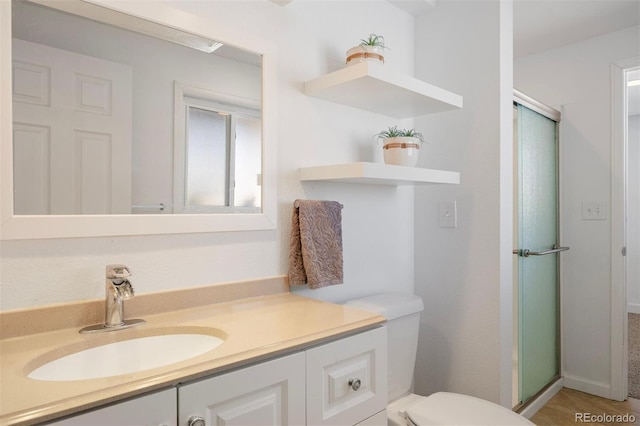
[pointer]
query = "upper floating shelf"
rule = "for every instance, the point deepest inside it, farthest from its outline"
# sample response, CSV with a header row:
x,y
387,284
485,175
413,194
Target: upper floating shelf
x,y
373,87
377,173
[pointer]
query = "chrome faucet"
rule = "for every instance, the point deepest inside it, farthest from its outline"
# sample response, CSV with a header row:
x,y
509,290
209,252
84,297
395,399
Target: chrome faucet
x,y
118,288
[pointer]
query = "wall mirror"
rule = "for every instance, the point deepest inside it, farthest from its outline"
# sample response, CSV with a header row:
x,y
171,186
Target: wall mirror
x,y
128,118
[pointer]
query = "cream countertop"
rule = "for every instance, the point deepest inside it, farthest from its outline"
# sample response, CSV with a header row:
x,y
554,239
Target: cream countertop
x,y
255,328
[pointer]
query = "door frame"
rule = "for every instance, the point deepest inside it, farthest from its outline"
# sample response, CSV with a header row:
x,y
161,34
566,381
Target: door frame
x,y
619,339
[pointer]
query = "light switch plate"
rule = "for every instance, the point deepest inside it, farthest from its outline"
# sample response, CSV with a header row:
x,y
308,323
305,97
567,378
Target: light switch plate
x,y
448,216
594,210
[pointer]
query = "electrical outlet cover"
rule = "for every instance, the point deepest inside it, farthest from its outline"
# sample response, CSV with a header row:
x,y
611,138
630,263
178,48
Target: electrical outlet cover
x,y
594,210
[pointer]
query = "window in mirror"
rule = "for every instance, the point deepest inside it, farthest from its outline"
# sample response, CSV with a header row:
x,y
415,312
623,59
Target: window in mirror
x,y
248,179
220,169
208,143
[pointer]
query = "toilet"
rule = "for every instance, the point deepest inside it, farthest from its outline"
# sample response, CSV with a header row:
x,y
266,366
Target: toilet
x,y
405,408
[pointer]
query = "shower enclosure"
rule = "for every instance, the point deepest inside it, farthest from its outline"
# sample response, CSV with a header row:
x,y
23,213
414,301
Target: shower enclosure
x,y
536,248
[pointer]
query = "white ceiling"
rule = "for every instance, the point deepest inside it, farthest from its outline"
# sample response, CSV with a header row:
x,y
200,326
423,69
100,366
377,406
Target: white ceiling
x,y
544,24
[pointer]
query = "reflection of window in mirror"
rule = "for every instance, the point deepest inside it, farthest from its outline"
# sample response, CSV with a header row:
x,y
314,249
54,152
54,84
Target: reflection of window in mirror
x,y
217,152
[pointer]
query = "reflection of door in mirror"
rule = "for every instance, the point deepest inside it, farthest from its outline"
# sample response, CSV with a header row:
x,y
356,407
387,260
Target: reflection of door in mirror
x,y
72,132
217,158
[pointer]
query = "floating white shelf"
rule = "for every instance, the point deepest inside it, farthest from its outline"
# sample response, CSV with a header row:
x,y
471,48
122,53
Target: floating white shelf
x,y
377,173
375,87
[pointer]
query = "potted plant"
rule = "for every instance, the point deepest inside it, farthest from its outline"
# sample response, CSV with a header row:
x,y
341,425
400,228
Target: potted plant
x,y
369,49
400,147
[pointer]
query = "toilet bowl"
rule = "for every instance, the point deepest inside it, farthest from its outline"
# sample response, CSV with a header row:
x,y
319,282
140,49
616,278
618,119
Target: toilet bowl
x,y
405,408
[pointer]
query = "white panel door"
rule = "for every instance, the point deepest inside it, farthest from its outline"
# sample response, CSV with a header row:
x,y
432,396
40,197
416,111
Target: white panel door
x,y
270,393
72,132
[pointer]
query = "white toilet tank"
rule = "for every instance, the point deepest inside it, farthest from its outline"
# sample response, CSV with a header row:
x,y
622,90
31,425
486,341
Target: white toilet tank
x,y
402,312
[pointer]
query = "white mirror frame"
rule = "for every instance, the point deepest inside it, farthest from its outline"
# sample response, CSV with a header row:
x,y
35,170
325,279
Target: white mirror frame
x,y
17,227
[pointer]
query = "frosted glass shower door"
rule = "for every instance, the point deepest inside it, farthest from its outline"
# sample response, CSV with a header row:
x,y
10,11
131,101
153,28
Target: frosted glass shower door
x,y
537,266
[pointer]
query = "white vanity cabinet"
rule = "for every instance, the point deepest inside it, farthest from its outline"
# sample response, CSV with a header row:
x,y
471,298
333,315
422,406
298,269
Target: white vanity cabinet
x,y
156,409
343,382
269,393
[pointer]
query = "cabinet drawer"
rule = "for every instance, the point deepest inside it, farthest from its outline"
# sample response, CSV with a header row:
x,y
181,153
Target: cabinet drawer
x,y
347,379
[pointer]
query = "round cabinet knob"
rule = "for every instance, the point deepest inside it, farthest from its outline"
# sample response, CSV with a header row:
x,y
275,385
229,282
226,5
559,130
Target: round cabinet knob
x,y
355,384
196,421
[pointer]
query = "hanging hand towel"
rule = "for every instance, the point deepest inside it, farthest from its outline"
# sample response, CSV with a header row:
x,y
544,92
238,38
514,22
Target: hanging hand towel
x,y
315,249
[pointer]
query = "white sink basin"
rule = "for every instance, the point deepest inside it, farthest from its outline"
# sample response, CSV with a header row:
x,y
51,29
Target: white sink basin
x,y
128,356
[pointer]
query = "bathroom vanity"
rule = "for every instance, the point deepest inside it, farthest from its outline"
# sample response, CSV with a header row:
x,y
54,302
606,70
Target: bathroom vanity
x,y
285,359
336,382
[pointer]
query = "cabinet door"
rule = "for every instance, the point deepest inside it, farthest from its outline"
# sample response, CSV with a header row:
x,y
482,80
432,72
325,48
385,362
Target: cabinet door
x,y
157,409
347,379
270,393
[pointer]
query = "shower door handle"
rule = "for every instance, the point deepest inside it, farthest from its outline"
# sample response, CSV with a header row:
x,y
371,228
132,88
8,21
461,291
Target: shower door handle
x,y
527,252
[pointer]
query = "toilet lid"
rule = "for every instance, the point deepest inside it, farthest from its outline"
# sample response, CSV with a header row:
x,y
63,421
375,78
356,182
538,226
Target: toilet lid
x,y
444,408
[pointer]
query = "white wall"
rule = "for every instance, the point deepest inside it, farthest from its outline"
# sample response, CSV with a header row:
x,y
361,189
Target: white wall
x,y
377,221
633,216
458,269
576,78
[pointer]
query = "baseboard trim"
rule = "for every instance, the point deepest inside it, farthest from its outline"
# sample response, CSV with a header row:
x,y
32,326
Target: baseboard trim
x,y
633,308
534,406
583,385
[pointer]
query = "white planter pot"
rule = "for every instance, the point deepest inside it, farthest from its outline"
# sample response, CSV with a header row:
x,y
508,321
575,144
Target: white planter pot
x,y
401,151
358,54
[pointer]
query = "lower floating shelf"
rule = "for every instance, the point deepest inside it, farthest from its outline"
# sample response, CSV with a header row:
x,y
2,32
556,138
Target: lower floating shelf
x,y
378,174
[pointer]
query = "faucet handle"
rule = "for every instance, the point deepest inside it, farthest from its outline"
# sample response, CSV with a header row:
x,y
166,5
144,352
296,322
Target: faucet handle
x,y
124,289
117,272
